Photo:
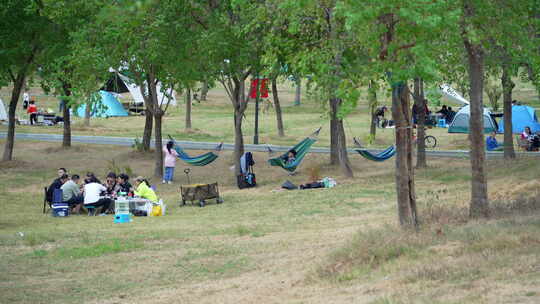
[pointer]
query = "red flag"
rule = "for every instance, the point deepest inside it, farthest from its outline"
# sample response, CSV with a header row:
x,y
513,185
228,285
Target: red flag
x,y
263,88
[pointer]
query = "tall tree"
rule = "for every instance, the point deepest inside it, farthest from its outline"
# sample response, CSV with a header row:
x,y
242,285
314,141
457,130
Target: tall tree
x,y
231,38
323,49
24,31
399,39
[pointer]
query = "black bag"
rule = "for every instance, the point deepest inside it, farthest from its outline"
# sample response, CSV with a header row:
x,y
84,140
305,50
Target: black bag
x,y
247,179
289,186
312,185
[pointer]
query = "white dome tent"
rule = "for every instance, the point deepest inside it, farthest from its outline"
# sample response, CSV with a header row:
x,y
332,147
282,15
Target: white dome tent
x,y
460,123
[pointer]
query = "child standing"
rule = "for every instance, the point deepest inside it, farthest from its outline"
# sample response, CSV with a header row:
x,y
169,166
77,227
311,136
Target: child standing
x,y
169,162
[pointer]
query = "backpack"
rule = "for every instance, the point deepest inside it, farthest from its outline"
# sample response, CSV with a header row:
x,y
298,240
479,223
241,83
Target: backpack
x,y
247,179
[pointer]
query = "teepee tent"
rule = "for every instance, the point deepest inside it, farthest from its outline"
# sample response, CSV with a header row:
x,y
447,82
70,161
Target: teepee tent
x,y
460,124
121,83
108,107
3,113
450,94
522,116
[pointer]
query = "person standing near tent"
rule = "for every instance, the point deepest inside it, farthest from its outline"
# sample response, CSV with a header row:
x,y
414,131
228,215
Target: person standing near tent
x,y
32,110
169,162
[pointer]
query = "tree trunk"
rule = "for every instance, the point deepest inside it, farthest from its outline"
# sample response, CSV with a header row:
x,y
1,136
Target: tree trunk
x,y
204,90
508,85
420,102
238,99
372,100
188,109
158,171
406,197
338,141
148,126
334,148
479,198
149,116
158,115
66,141
344,162
298,93
277,105
87,112
238,141
10,139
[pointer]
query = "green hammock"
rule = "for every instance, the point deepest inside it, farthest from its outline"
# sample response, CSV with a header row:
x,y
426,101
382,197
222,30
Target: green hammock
x,y
302,148
201,160
384,155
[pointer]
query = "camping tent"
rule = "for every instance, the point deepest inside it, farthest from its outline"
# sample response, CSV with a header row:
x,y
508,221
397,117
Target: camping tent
x,y
121,83
522,116
460,124
451,95
3,113
108,107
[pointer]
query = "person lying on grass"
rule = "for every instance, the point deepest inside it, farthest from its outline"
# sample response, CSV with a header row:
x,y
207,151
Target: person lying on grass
x,y
492,144
143,190
92,192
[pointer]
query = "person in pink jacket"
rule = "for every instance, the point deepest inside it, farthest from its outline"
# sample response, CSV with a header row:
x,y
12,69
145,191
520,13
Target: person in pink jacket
x,y
169,162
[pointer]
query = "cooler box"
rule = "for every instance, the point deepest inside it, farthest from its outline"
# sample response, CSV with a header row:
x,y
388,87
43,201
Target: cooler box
x,y
60,209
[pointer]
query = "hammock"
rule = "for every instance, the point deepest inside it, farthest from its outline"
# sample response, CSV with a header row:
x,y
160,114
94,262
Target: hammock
x,y
302,148
201,160
384,155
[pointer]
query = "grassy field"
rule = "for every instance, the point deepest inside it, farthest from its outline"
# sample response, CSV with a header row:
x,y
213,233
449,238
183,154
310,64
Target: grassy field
x,y
264,245
212,121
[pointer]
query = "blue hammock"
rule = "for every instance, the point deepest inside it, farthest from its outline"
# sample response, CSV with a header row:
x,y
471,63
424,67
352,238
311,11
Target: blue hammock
x,y
384,155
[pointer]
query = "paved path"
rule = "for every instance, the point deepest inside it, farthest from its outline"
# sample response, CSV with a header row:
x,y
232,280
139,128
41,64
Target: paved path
x,y
191,145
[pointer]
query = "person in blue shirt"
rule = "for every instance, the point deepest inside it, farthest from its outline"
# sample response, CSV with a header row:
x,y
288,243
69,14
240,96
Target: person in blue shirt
x,y
492,144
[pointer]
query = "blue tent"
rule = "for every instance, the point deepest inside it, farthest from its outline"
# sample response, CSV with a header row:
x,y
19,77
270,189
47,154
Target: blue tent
x,y
522,116
108,107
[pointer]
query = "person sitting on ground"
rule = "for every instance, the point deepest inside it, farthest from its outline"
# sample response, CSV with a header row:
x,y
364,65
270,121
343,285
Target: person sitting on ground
x,y
143,189
71,193
92,192
110,183
56,184
32,110
532,139
291,157
123,182
492,144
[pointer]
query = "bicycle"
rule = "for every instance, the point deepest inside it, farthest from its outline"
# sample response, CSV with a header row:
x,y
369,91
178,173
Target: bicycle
x,y
430,142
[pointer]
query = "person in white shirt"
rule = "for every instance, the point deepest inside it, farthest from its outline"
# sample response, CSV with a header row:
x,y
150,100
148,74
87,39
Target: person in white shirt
x,y
92,193
26,100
